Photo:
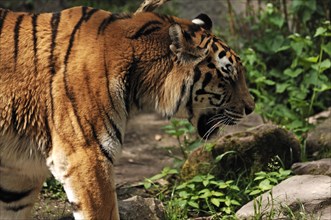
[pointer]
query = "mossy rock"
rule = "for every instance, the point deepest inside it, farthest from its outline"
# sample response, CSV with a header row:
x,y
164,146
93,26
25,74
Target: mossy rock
x,y
253,151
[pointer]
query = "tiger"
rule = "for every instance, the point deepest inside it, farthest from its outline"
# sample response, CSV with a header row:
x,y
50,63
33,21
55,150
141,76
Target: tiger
x,y
70,81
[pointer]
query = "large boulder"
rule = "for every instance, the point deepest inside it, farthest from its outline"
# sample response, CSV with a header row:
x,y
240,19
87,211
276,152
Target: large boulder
x,y
319,167
249,150
306,196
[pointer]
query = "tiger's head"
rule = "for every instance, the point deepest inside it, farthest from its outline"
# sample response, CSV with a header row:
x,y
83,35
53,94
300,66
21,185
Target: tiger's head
x,y
216,93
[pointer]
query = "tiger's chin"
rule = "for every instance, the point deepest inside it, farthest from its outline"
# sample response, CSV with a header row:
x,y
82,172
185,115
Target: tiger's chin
x,y
208,125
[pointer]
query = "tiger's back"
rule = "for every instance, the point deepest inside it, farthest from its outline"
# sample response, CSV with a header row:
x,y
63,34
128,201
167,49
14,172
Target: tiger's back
x,y
69,81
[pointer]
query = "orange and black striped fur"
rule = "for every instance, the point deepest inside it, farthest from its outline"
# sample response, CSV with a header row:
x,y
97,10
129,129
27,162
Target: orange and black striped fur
x,y
69,81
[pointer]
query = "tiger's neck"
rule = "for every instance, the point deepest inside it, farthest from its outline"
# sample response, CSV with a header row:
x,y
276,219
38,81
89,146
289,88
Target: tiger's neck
x,y
158,83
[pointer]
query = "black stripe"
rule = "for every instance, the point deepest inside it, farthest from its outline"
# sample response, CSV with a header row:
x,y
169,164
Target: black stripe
x,y
10,196
90,13
202,38
179,100
144,29
107,85
69,93
14,121
221,54
197,75
230,59
111,18
207,79
214,47
219,74
189,107
118,133
211,66
128,79
114,127
72,37
3,14
34,35
225,70
208,41
55,20
166,18
16,37
103,150
193,29
18,208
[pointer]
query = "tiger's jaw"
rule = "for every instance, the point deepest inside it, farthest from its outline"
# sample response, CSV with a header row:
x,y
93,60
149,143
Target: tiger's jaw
x,y
208,124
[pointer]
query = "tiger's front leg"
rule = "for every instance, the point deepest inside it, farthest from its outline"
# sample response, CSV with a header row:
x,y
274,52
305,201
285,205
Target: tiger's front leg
x,y
87,177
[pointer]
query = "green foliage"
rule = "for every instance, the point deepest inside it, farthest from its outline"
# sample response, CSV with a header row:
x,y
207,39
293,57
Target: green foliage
x,y
164,173
264,181
289,73
185,134
205,194
53,189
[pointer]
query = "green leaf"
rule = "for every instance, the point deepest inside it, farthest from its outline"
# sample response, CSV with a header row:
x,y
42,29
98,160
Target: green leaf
x,y
183,194
182,186
282,48
205,182
227,202
255,192
312,59
236,188
269,82
284,172
147,185
218,194
325,64
222,185
298,47
191,186
216,202
193,204
197,179
327,48
220,157
157,176
281,87
265,185
235,202
320,31
277,20
293,73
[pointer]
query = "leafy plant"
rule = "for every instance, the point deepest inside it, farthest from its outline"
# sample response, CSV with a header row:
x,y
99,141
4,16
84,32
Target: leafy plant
x,y
288,63
264,181
205,194
185,135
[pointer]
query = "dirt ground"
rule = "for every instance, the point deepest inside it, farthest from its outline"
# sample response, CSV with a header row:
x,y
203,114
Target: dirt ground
x,y
145,152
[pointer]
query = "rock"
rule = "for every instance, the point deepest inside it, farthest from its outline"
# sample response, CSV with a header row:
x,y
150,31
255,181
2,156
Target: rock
x,y
137,207
318,142
309,194
249,150
319,167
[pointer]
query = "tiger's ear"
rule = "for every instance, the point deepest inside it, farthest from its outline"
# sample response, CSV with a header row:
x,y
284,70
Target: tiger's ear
x,y
183,46
203,21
